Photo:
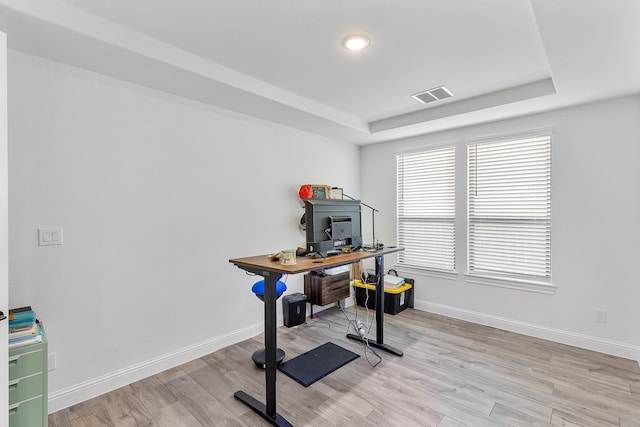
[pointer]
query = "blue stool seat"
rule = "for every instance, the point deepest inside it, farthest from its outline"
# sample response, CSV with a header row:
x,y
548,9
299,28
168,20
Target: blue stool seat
x,y
259,356
258,289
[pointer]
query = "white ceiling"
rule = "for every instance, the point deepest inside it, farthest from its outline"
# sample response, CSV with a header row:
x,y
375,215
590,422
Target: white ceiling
x,y
283,61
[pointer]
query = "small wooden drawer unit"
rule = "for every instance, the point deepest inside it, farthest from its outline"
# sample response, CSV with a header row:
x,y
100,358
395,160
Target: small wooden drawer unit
x,y
28,385
323,290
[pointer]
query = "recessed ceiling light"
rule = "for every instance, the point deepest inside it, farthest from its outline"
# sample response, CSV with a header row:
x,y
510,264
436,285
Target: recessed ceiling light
x,y
355,42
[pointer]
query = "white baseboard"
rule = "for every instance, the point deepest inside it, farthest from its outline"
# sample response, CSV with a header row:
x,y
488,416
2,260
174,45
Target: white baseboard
x,y
77,393
601,345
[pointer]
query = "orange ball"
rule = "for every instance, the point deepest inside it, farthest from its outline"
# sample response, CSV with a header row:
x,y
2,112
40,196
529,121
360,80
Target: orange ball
x,y
305,192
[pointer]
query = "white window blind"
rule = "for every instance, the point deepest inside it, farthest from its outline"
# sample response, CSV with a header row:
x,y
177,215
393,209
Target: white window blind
x,y
509,208
426,209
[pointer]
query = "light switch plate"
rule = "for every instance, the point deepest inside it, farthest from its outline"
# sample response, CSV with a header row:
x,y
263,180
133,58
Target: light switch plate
x,y
50,236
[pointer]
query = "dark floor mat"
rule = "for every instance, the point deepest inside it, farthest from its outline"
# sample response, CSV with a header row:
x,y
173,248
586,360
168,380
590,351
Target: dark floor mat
x,y
317,363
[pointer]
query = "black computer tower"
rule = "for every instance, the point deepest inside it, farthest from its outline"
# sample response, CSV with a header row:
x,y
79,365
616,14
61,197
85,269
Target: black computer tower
x,y
294,309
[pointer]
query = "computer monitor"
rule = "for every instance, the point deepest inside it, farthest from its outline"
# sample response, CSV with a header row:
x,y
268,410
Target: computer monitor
x,y
332,225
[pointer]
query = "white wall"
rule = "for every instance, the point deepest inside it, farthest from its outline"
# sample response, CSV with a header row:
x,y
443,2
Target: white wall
x,y
155,194
596,229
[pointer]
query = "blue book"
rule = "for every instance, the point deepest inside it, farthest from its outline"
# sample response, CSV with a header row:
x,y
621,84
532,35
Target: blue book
x,y
21,318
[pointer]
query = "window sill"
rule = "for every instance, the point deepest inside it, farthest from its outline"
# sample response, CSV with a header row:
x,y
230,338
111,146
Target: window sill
x,y
518,284
440,274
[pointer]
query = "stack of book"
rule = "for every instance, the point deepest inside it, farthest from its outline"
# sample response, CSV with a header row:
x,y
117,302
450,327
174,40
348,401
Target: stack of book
x,y
24,328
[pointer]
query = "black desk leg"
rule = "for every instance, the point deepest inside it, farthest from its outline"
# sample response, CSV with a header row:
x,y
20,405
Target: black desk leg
x,y
268,411
379,342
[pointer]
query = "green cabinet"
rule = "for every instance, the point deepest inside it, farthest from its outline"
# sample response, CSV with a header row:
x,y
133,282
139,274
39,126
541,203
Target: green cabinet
x,y
28,384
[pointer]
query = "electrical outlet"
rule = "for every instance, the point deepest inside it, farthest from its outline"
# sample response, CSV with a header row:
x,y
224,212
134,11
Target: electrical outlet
x,y
601,316
51,362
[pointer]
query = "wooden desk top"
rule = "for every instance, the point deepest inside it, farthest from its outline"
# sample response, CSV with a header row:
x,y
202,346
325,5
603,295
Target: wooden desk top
x,y
304,264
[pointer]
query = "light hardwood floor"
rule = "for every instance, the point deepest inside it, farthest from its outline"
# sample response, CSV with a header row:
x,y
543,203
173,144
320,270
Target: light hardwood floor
x,y
452,374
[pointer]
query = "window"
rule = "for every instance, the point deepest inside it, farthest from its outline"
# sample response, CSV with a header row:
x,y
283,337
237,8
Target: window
x,y
426,209
509,209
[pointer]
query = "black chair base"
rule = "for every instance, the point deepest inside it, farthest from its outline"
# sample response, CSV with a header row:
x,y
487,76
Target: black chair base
x,y
259,357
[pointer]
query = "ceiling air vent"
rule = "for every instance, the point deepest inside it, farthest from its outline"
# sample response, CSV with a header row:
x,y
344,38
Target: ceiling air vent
x,y
432,95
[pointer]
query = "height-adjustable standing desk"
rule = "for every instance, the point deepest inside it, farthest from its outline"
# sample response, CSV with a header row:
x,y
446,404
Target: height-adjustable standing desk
x,y
272,271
